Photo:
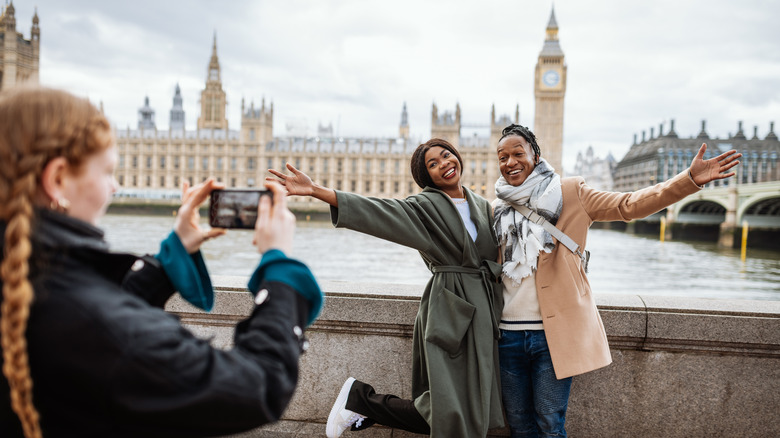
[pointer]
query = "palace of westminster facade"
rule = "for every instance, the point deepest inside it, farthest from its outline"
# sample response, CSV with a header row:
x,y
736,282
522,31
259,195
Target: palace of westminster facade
x,y
154,163
151,159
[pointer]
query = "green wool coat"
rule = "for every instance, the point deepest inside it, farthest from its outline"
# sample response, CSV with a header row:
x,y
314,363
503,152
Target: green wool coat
x,y
455,369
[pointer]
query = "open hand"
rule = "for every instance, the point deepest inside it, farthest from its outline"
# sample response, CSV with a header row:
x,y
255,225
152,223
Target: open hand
x,y
298,183
705,171
187,225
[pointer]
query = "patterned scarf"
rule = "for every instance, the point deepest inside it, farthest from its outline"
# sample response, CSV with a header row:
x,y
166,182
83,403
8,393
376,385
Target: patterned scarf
x,y
521,238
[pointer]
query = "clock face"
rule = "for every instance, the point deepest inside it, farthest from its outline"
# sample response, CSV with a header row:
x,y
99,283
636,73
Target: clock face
x,y
551,78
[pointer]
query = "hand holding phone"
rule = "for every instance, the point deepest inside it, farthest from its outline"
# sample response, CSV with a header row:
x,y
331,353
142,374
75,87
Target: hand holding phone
x,y
275,226
187,224
235,208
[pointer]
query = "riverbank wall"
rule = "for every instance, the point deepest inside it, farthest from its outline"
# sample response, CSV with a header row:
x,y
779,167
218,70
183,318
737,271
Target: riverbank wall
x,y
681,367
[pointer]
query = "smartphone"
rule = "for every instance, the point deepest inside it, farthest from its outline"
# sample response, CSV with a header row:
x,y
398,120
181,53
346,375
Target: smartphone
x,y
235,208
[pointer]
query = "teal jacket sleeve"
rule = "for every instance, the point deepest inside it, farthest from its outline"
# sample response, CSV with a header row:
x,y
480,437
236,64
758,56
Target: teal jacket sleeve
x,y
275,266
187,272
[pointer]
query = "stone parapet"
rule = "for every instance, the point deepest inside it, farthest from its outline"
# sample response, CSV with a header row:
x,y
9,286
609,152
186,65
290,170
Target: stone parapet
x,y
681,367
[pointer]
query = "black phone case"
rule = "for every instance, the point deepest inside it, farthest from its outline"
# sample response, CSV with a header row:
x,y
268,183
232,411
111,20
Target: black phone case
x,y
235,208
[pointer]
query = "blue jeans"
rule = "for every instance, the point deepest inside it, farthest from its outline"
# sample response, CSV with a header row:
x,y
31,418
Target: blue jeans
x,y
534,400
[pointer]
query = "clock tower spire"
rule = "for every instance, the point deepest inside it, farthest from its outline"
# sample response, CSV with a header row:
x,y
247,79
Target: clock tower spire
x,y
549,90
213,99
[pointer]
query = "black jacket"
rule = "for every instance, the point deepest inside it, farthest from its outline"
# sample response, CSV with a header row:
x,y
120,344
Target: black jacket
x,y
107,361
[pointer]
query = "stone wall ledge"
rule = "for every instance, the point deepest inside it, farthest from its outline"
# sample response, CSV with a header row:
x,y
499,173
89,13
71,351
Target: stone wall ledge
x,y
682,367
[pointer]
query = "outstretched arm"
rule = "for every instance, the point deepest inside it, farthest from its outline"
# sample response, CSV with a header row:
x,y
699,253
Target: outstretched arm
x,y
705,171
298,183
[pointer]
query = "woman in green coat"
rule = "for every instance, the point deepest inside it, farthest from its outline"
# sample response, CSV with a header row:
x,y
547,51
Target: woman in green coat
x,y
455,386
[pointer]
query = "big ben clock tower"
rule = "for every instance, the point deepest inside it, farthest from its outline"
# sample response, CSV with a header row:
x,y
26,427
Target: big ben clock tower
x,y
549,90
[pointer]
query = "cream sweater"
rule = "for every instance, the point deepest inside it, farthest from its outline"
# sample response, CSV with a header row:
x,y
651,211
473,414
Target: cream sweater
x,y
521,306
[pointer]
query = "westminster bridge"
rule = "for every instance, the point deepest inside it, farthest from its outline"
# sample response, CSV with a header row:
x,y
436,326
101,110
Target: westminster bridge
x,y
723,210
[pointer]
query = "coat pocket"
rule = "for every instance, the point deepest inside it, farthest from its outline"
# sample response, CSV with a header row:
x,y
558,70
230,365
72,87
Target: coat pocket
x,y
448,321
577,273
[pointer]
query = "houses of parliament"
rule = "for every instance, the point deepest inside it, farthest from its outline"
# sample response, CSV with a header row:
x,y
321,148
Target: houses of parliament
x,y
158,161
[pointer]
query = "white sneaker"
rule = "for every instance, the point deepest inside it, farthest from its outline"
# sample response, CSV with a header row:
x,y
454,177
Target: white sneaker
x,y
341,418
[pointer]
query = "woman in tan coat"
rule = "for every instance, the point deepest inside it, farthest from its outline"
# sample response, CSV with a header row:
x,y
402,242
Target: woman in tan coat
x,y
550,327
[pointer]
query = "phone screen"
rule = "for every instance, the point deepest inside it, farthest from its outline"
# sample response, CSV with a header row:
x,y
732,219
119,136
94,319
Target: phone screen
x,y
235,208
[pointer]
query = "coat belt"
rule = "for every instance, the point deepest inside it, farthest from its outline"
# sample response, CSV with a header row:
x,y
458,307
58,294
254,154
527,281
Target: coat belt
x,y
490,272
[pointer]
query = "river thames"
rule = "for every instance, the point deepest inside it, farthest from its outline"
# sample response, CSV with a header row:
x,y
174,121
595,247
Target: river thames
x,y
620,263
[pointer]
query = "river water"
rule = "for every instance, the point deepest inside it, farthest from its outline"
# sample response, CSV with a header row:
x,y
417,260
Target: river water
x,y
620,263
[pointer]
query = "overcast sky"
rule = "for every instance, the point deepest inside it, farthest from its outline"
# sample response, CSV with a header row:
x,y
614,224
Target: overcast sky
x,y
631,65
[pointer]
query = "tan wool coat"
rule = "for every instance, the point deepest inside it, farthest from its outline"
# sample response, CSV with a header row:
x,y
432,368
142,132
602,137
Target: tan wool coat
x,y
572,325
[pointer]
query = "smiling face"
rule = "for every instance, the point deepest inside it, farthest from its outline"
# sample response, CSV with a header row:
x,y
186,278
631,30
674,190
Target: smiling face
x,y
90,187
516,159
444,169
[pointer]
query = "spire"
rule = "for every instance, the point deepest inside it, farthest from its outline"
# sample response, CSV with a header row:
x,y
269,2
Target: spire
x,y
403,129
771,135
703,132
671,130
517,114
36,29
214,71
740,134
146,116
552,24
551,45
176,122
8,17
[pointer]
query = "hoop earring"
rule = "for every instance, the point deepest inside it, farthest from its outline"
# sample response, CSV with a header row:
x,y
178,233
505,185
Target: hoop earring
x,y
62,205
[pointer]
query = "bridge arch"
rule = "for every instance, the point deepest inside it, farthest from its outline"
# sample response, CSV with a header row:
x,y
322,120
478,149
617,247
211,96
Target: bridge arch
x,y
701,211
761,211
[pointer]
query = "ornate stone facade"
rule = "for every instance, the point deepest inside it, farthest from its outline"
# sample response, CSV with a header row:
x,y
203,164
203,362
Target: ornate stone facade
x,y
19,58
658,158
154,163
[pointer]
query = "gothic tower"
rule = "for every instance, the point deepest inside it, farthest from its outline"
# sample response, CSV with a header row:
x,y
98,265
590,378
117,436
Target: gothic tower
x,y
177,112
257,123
498,125
446,126
213,101
146,116
403,129
549,90
19,58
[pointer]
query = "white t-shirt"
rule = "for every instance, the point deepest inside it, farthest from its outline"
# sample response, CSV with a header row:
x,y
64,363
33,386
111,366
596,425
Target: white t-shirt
x,y
463,208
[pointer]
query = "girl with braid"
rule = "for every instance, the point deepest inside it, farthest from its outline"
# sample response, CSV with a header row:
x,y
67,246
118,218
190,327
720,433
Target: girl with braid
x,y
455,390
550,327
87,349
